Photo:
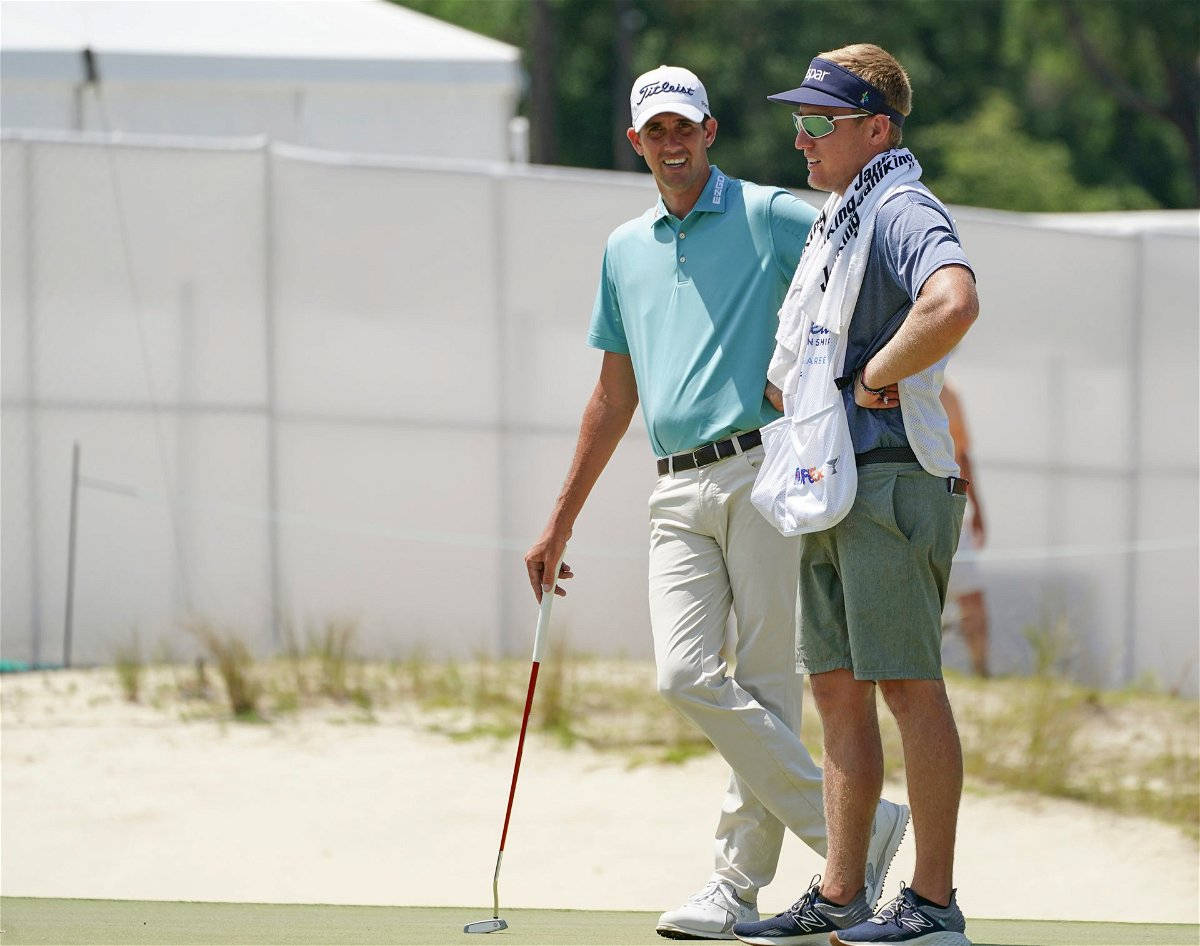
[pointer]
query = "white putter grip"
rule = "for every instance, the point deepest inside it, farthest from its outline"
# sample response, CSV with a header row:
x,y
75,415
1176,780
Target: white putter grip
x,y
543,624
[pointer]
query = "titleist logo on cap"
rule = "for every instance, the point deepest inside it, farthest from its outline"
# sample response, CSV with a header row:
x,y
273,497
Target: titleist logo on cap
x,y
655,87
667,89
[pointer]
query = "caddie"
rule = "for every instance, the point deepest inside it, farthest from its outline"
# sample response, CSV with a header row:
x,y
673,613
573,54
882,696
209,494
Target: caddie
x,y
685,316
885,252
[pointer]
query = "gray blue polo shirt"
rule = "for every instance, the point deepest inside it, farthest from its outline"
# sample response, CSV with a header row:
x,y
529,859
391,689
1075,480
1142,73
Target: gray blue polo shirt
x,y
914,237
695,304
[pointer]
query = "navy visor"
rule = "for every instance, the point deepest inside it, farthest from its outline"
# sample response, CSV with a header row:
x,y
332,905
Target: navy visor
x,y
827,83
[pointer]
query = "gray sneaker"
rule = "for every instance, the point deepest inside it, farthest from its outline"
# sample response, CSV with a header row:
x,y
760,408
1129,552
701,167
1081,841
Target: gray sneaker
x,y
709,914
887,830
907,922
807,922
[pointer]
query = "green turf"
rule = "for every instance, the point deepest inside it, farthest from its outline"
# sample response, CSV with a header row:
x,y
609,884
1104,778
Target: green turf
x,y
34,920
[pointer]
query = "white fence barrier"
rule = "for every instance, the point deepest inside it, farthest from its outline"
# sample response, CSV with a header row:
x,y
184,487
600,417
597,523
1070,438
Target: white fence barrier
x,y
310,387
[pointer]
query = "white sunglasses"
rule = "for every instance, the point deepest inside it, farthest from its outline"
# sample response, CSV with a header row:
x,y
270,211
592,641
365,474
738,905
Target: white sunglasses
x,y
818,126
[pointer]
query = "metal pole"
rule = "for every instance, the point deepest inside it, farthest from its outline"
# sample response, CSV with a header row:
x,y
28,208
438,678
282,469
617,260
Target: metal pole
x,y
184,464
1129,661
505,449
70,608
269,341
33,415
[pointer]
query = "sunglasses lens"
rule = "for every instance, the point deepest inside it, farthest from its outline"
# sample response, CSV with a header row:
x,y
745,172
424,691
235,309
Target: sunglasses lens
x,y
815,126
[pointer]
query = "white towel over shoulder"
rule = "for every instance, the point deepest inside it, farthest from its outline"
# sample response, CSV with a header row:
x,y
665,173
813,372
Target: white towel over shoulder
x,y
824,290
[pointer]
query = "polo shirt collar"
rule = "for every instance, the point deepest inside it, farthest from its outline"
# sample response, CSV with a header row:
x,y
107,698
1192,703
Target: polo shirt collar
x,y
712,199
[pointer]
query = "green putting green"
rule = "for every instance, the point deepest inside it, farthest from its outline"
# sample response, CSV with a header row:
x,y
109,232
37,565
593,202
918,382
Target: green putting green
x,y
35,920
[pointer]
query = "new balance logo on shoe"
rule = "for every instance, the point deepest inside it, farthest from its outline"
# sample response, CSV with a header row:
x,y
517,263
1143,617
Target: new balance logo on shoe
x,y
915,922
809,920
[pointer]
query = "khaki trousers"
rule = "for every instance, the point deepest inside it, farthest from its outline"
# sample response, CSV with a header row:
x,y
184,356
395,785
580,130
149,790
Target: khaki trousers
x,y
711,551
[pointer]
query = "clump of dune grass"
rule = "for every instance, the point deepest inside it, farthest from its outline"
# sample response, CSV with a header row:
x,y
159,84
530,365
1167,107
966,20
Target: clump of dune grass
x,y
413,674
333,648
1130,751
1042,721
235,664
291,690
325,667
130,666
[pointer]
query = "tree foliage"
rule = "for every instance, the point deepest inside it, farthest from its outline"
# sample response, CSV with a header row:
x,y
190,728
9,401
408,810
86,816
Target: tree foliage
x,y
1018,104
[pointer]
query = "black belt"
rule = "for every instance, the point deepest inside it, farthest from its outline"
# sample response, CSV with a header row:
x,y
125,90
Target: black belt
x,y
709,453
886,455
954,484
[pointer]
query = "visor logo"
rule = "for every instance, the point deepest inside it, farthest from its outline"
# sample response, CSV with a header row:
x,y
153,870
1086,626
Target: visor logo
x,y
817,74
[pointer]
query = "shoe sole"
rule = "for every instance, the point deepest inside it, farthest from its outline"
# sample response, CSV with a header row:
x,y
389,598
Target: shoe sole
x,y
940,938
891,846
678,932
801,939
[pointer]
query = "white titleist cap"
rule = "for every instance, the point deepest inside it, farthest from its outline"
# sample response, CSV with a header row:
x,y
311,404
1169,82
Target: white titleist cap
x,y
667,89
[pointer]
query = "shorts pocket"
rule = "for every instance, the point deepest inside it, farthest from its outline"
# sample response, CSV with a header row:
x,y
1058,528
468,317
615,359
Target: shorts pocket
x,y
907,506
925,511
876,499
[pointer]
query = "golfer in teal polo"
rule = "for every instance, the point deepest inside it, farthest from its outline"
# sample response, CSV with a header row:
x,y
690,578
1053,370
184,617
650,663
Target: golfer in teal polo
x,y
686,316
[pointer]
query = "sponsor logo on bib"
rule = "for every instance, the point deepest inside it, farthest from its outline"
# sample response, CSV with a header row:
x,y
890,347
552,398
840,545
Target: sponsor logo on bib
x,y
812,475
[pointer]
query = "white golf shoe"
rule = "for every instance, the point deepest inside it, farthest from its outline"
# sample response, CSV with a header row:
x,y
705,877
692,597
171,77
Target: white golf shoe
x,y
887,830
709,914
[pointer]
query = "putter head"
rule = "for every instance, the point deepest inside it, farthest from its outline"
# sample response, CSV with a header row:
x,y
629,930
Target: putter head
x,y
486,926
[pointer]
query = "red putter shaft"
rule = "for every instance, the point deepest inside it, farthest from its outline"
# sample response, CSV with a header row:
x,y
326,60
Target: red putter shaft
x,y
512,791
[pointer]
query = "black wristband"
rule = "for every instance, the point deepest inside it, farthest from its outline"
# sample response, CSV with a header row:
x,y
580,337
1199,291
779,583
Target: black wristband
x,y
870,390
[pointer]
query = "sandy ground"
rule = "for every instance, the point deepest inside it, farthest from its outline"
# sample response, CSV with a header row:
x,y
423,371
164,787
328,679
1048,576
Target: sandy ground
x,y
103,799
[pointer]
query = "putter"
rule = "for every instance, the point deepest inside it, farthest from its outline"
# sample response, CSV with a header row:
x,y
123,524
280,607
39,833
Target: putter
x,y
495,924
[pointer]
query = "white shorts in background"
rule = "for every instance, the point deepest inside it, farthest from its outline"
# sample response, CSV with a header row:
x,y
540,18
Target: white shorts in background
x,y
965,574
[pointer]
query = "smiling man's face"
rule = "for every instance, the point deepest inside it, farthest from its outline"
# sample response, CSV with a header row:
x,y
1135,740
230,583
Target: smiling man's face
x,y
676,151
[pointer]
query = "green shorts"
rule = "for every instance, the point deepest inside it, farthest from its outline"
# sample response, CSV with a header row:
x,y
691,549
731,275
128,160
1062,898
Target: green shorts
x,y
872,588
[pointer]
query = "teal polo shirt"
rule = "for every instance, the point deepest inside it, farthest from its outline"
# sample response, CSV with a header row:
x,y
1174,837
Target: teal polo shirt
x,y
695,302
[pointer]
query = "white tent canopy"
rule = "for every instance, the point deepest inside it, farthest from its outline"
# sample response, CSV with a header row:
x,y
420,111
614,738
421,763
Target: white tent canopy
x,y
345,74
